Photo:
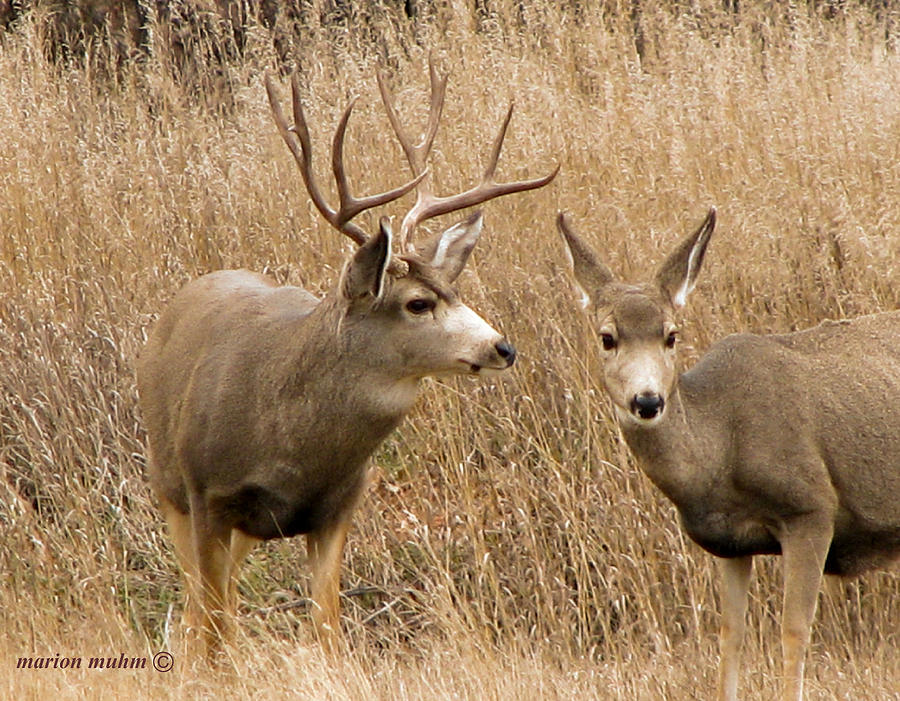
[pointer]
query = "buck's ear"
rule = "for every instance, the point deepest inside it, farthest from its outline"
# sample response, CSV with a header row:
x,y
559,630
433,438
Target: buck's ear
x,y
589,272
678,274
364,273
449,251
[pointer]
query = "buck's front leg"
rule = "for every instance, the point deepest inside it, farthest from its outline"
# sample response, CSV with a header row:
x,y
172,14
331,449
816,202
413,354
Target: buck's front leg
x,y
804,549
326,549
241,545
735,573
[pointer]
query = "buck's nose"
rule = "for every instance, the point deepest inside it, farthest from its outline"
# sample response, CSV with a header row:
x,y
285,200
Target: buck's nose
x,y
506,351
647,405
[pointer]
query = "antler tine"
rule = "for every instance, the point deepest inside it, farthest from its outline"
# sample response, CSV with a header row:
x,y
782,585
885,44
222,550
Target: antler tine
x,y
438,90
430,206
498,145
416,155
408,149
297,138
350,205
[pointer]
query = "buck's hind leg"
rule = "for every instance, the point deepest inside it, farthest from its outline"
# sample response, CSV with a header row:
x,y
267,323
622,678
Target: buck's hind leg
x,y
181,532
735,573
212,545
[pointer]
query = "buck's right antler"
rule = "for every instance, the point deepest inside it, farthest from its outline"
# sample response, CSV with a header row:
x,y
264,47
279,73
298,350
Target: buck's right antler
x,y
428,204
296,137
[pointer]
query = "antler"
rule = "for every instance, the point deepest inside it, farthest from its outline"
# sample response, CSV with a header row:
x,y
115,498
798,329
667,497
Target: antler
x,y
296,136
428,204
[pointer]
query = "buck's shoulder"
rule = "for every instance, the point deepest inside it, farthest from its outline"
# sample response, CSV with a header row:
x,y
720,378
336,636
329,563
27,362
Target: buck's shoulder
x,y
232,280
242,282
232,305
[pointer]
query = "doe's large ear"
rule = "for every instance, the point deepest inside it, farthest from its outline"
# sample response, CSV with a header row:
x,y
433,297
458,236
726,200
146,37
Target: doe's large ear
x,y
589,272
364,273
677,275
449,251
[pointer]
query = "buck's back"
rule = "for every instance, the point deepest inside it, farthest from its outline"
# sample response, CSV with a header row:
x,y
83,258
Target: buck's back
x,y
223,311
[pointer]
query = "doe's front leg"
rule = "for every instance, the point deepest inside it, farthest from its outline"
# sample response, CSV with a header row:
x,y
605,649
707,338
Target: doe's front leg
x,y
804,549
735,574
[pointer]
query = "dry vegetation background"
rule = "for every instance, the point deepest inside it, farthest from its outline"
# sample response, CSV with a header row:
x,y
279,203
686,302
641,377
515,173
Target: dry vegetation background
x,y
511,549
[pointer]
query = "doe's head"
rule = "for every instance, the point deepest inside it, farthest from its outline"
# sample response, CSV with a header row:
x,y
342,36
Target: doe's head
x,y
635,323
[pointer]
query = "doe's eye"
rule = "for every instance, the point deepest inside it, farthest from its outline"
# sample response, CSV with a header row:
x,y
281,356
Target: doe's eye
x,y
608,341
419,305
671,338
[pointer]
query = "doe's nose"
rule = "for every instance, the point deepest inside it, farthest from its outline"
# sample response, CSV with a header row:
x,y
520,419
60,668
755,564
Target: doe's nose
x,y
506,351
647,405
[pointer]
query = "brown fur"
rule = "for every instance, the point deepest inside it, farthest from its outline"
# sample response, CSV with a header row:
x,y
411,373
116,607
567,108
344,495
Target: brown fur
x,y
263,404
782,444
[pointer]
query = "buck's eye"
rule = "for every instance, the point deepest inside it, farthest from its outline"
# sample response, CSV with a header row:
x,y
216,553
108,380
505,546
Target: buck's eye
x,y
671,338
608,341
419,306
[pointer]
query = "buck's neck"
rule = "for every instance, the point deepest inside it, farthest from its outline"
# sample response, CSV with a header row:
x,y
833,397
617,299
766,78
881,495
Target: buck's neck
x,y
675,452
332,364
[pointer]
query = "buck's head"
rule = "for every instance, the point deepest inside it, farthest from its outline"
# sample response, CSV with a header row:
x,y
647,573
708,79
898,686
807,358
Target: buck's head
x,y
408,313
635,324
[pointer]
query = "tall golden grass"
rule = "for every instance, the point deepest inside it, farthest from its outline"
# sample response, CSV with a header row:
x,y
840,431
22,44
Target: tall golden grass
x,y
510,548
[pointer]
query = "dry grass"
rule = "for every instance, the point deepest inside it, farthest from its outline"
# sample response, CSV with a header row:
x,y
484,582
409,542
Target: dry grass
x,y
511,549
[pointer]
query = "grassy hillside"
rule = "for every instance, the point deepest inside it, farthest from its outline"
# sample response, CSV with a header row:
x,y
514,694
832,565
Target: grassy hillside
x,y
511,548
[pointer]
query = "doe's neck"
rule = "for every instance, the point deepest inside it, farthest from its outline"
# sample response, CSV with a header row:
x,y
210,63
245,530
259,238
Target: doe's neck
x,y
668,450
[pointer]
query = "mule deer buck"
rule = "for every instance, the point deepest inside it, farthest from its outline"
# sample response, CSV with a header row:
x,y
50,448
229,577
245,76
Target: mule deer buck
x,y
263,403
771,444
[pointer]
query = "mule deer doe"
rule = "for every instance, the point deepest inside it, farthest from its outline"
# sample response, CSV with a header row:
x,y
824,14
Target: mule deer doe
x,y
264,403
771,444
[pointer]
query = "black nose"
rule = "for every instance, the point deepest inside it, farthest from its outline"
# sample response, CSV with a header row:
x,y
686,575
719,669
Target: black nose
x,y
647,406
507,352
